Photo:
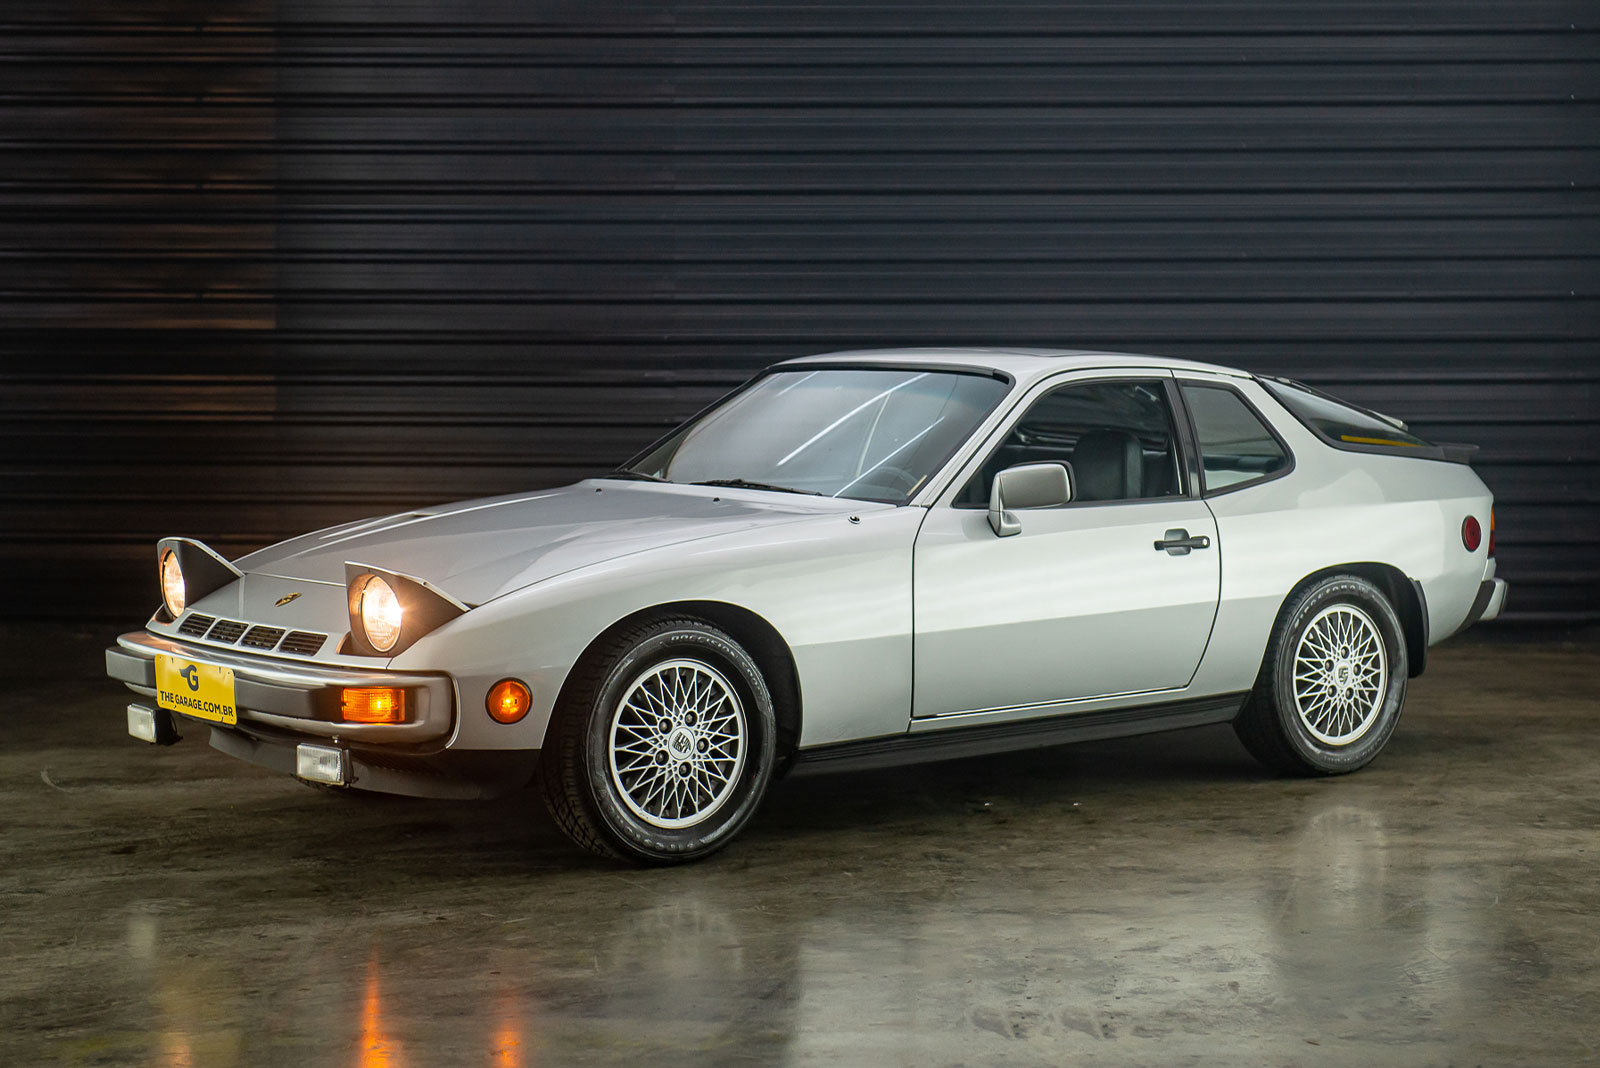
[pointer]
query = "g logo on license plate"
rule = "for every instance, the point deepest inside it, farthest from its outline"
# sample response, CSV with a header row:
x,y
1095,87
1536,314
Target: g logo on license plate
x,y
199,691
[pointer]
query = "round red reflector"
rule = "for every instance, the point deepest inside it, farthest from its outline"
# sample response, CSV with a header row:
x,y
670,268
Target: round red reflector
x,y
1471,534
508,701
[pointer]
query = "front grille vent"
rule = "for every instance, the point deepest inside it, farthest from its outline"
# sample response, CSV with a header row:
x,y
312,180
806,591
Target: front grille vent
x,y
302,643
229,631
196,625
262,637
226,631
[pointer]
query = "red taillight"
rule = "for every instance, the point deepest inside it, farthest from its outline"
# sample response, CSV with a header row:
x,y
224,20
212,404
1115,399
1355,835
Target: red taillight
x,y
1471,534
1491,532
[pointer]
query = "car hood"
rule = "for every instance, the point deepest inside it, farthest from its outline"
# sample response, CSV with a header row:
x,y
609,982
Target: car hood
x,y
478,550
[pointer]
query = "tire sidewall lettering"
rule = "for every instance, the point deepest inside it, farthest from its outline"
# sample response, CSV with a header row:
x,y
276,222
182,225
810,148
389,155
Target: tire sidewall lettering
x,y
690,642
1371,601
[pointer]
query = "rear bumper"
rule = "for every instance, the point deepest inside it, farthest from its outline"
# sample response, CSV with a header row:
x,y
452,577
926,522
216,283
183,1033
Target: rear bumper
x,y
1489,603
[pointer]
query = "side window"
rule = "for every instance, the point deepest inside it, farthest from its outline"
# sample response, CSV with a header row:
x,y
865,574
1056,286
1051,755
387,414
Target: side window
x,y
1235,446
1116,436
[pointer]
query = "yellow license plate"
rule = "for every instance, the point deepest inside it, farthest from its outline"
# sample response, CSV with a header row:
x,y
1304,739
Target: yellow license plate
x,y
197,690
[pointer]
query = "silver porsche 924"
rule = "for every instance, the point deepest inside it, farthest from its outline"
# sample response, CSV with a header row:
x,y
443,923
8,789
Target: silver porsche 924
x,y
853,560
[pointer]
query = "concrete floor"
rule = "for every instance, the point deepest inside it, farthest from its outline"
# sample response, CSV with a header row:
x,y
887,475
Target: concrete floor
x,y
1157,901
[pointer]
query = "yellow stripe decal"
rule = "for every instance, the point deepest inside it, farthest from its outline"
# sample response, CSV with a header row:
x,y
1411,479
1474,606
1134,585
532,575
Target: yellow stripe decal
x,y
1377,441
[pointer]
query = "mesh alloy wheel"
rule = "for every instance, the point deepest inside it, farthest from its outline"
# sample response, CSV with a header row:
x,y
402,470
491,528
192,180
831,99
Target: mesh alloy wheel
x,y
663,744
1332,682
1340,675
678,740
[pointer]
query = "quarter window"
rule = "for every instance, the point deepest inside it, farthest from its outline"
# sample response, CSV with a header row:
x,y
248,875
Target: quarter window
x,y
1235,445
1117,438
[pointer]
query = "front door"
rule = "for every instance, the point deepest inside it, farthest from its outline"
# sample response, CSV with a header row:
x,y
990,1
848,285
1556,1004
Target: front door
x,y
1081,603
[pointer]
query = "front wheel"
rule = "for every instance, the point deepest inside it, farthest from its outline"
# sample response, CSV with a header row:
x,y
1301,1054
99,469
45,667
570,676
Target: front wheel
x,y
1332,683
664,745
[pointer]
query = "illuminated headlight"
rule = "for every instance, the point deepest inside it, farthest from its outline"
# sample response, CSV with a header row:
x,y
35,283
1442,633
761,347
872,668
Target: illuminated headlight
x,y
172,591
389,612
381,614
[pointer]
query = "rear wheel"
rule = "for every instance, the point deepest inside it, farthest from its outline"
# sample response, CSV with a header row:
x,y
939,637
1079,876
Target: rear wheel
x,y
663,747
1333,681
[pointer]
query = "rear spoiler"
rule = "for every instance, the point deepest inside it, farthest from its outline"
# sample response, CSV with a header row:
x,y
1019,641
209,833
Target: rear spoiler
x,y
1456,453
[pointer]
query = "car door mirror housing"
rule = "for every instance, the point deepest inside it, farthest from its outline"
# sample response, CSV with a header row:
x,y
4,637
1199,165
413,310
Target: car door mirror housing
x,y
1027,486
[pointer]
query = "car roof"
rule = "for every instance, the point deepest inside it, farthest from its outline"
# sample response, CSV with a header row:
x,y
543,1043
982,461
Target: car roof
x,y
1024,365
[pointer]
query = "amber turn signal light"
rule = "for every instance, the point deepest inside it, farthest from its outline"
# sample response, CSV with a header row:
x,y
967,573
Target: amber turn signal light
x,y
508,701
373,704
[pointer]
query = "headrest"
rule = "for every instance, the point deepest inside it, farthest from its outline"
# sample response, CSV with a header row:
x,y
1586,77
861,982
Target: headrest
x,y
1109,466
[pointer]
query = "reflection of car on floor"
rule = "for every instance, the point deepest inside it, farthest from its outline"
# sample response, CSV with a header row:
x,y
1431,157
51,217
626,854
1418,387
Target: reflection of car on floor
x,y
853,560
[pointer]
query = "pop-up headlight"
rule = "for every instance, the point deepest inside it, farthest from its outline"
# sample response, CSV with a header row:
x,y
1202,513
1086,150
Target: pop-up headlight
x,y
389,611
187,571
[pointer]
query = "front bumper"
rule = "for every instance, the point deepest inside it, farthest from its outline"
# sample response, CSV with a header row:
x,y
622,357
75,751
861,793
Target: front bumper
x,y
292,695
285,708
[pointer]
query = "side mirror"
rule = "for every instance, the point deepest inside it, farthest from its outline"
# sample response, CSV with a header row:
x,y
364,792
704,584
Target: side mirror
x,y
1027,486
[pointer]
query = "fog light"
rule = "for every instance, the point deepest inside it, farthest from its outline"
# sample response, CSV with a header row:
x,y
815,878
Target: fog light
x,y
373,704
508,701
319,763
151,725
142,723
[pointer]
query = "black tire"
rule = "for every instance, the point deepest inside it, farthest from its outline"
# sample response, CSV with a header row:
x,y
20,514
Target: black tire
x,y
1271,725
583,795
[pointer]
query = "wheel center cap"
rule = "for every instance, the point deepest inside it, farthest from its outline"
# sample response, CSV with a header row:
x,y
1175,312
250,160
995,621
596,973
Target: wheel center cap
x,y
1342,672
681,742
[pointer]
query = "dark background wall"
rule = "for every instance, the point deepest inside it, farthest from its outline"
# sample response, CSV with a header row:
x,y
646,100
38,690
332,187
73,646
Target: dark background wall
x,y
269,266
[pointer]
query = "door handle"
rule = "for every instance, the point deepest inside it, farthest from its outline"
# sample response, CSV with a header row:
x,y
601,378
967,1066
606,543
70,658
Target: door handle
x,y
1178,542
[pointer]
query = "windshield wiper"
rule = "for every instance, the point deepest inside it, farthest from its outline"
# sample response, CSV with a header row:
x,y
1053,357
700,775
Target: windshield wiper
x,y
630,475
745,483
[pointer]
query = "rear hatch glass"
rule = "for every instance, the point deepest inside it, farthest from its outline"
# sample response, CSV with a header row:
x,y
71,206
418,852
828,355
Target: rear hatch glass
x,y
1343,424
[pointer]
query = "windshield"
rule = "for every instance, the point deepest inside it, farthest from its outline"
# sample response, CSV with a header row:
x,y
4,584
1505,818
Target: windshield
x,y
873,435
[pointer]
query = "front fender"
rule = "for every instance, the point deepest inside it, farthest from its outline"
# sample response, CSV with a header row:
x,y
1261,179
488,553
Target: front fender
x,y
836,587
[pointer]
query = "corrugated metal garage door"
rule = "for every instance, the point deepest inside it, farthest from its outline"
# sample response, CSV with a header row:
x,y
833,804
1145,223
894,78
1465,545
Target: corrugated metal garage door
x,y
271,266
